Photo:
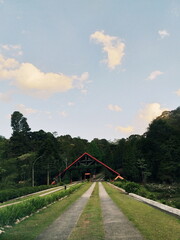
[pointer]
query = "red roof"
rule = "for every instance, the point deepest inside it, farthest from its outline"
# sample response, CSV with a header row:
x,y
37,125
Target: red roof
x,y
78,159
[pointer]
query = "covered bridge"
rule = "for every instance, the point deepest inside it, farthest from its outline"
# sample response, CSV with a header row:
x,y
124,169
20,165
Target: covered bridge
x,y
85,167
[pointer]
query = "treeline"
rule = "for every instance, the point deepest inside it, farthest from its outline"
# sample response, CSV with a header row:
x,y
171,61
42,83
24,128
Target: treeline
x,y
153,156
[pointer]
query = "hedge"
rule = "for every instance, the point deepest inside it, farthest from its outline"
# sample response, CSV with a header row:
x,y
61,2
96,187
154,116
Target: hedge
x,y
10,214
9,194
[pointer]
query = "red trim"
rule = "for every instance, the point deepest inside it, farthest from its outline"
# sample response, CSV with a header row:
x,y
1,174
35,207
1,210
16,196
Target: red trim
x,y
92,158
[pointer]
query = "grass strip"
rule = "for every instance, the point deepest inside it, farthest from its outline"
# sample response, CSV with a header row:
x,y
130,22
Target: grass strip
x,y
152,223
31,227
10,214
8,194
90,224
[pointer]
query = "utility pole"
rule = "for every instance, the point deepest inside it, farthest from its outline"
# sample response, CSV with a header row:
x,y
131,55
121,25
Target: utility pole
x,y
33,170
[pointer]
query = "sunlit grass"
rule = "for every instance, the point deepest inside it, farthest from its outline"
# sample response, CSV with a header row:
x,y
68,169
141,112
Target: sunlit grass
x,y
90,225
152,223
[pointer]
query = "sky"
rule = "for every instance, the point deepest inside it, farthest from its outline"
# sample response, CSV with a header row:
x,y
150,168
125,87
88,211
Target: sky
x,y
90,69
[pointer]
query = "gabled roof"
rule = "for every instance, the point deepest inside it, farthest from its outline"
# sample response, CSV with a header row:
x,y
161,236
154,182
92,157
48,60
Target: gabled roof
x,y
95,159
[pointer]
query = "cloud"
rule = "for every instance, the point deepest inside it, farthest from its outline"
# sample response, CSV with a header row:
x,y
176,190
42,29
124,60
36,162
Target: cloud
x,y
151,111
128,129
178,92
163,33
79,82
27,111
115,108
28,77
113,46
16,50
6,64
154,75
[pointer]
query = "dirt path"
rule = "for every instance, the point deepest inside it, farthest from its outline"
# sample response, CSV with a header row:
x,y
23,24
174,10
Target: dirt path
x,y
116,225
62,226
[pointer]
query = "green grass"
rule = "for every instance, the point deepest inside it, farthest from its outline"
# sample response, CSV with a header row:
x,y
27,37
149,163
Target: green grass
x,y
35,194
30,228
90,224
152,223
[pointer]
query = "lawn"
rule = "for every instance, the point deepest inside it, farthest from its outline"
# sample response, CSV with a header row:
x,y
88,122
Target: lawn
x,y
34,225
90,225
152,223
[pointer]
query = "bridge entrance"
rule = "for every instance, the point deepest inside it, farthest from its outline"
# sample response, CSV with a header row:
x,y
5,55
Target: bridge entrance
x,y
86,167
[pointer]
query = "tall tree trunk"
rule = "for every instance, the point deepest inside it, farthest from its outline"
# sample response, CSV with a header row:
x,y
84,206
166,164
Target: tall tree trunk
x,y
48,175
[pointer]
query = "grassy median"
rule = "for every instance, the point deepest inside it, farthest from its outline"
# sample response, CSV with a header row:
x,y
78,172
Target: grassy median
x,y
34,225
90,225
152,223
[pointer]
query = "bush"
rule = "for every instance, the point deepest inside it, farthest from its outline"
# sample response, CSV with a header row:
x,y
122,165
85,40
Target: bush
x,y
10,214
9,194
120,184
145,193
132,187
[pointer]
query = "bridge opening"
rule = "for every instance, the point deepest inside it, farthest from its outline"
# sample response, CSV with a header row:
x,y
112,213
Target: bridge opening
x,y
87,167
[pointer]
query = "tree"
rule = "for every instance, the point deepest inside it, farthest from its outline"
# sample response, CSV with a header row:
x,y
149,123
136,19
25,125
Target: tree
x,y
20,139
19,123
50,160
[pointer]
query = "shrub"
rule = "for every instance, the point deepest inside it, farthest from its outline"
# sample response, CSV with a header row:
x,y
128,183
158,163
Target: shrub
x,y
145,193
9,194
132,187
121,183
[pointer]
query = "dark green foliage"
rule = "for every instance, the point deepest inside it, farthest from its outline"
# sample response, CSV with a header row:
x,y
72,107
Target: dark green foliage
x,y
8,194
166,194
19,123
161,147
132,187
152,157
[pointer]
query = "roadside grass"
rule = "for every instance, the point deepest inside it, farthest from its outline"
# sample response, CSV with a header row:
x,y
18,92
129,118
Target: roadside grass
x,y
151,222
30,196
31,227
90,224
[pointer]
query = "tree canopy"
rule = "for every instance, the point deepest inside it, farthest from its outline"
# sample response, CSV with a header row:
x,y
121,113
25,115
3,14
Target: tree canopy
x,y
153,156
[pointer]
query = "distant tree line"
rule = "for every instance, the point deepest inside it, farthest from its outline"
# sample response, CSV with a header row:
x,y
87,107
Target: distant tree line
x,y
153,156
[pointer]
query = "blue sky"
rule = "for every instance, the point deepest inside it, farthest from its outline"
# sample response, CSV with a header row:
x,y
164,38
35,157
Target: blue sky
x,y
94,69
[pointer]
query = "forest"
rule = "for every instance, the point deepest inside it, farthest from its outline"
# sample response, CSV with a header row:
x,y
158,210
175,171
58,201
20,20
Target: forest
x,y
153,157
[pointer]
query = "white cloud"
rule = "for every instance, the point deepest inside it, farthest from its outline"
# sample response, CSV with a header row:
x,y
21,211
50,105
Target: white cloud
x,y
178,92
115,108
113,46
79,82
6,64
151,111
27,111
128,129
16,50
154,75
163,33
28,77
